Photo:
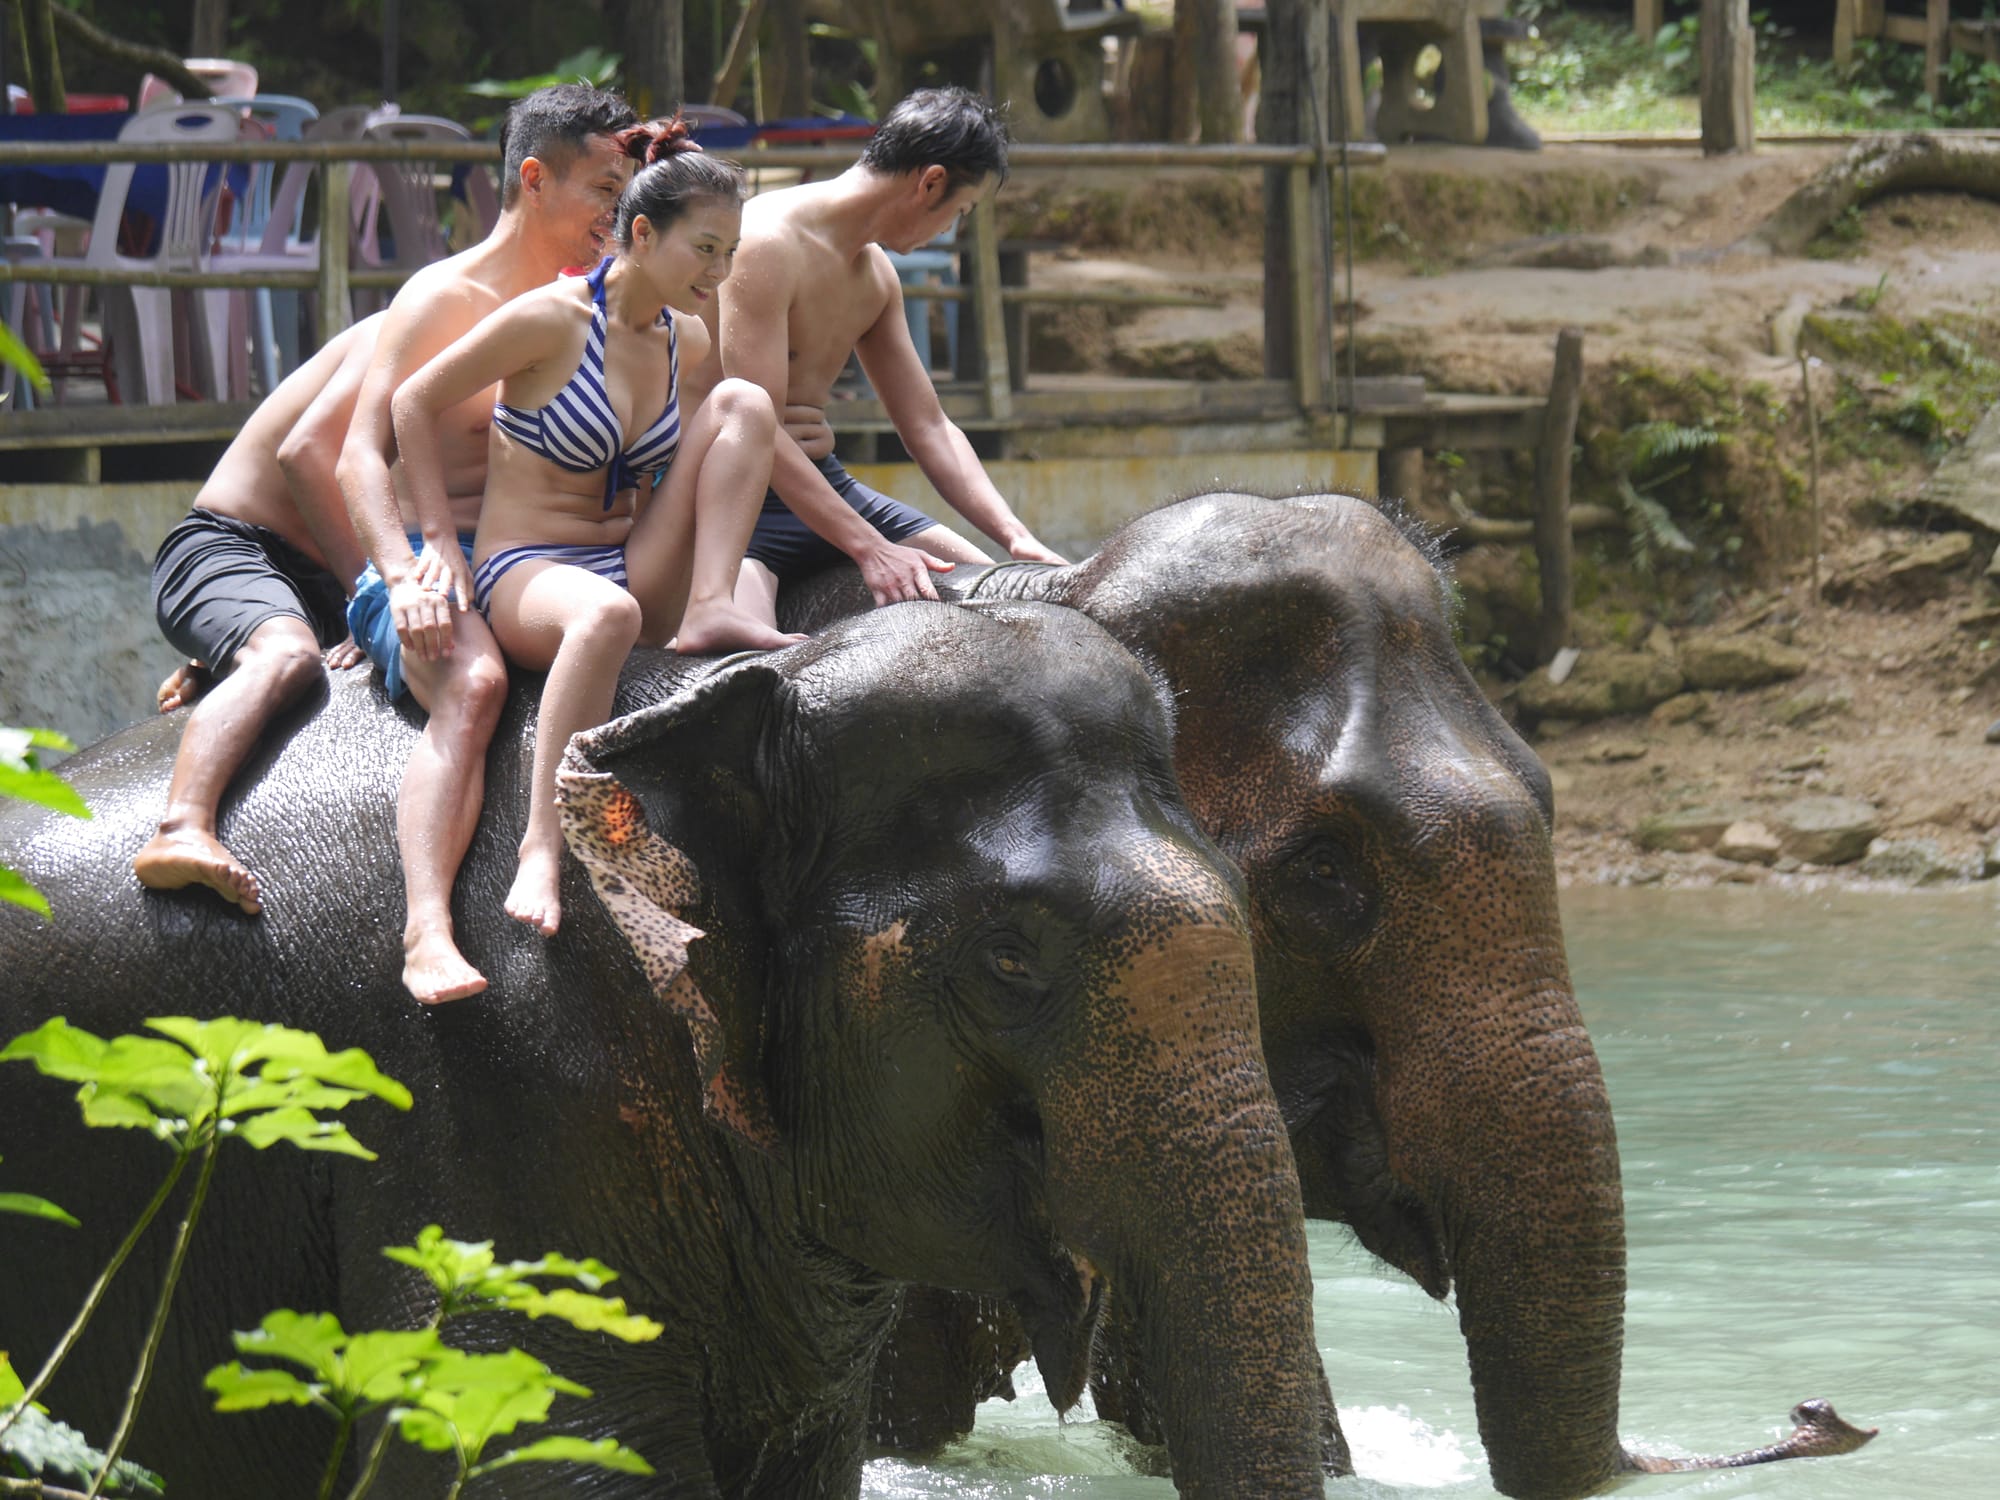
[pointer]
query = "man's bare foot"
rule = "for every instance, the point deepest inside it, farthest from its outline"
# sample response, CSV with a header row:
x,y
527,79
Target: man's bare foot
x,y
188,856
709,629
536,899
183,685
435,971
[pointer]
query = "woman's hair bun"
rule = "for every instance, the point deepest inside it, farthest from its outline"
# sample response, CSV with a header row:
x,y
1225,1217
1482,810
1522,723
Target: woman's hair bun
x,y
670,138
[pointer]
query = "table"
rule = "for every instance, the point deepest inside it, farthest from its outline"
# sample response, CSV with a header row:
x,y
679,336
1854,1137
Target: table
x,y
73,188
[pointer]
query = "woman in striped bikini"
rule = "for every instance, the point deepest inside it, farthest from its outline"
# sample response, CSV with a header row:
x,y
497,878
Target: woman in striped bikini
x,y
605,524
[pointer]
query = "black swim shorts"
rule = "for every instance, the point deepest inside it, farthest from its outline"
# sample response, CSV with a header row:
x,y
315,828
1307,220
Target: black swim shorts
x,y
216,579
792,550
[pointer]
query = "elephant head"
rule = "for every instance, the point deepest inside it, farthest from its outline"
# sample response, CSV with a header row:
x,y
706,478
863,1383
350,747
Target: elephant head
x,y
974,996
1417,1015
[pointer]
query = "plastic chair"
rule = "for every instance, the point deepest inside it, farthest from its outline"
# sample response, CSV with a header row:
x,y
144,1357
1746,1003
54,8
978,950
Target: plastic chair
x,y
186,226
236,80
253,316
409,188
936,262
31,314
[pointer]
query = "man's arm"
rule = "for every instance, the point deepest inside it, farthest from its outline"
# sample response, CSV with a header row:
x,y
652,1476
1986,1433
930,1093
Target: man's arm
x,y
416,326
754,342
934,441
310,453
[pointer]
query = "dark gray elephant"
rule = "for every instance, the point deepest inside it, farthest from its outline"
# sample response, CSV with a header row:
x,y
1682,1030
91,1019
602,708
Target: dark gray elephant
x,y
969,996
1418,1022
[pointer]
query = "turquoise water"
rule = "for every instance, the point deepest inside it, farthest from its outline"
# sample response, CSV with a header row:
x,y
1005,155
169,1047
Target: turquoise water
x,y
1807,1091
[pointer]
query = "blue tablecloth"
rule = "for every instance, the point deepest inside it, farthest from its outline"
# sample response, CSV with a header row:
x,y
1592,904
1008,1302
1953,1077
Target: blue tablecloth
x,y
72,188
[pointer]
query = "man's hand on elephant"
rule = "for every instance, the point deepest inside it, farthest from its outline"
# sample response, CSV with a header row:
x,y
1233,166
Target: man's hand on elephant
x,y
894,573
1026,549
346,654
807,426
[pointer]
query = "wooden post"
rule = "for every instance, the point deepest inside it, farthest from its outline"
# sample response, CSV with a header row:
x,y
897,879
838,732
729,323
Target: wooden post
x,y
1937,40
336,305
1218,93
992,312
1400,475
1553,544
1728,77
1846,26
1310,348
209,28
1646,18
1296,108
788,71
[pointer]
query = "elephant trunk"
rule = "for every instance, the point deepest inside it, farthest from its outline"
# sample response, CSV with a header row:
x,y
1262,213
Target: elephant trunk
x,y
1169,1167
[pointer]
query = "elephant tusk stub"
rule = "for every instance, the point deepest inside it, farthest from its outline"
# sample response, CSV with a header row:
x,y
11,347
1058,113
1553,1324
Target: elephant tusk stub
x,y
1819,1432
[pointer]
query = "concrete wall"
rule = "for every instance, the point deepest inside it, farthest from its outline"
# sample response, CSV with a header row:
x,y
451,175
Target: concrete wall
x,y
79,651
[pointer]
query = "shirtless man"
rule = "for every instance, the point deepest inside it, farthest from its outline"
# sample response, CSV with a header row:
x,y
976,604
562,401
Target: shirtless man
x,y
562,173
253,585
812,286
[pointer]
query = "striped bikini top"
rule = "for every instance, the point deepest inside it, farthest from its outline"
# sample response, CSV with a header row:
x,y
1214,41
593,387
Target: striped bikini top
x,y
578,429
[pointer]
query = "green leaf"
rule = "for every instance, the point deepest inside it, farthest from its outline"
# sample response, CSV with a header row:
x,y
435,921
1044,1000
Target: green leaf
x,y
21,357
287,1056
45,1446
466,1276
376,1367
591,1314
310,1340
469,1399
34,1208
240,1389
44,788
18,892
301,1128
604,1453
11,1389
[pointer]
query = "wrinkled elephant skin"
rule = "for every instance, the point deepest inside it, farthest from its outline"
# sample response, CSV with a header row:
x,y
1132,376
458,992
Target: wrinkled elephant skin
x,y
907,965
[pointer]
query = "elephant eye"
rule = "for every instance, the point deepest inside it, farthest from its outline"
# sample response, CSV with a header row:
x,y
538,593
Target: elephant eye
x,y
1009,962
1332,888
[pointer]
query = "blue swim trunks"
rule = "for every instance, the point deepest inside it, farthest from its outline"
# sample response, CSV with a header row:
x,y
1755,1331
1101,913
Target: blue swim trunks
x,y
374,628
792,550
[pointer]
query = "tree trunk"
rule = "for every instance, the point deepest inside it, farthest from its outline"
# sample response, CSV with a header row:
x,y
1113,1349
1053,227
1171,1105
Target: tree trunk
x,y
1728,77
211,26
654,37
1218,92
1873,168
787,62
45,78
1184,97
1296,96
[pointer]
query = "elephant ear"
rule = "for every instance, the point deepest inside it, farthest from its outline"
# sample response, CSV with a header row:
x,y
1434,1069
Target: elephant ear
x,y
693,757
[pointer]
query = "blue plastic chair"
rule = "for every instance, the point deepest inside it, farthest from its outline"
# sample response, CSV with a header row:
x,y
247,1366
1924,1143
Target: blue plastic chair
x,y
936,261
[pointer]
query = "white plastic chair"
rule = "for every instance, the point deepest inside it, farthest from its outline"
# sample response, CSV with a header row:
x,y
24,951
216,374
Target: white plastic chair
x,y
253,316
409,188
185,229
222,75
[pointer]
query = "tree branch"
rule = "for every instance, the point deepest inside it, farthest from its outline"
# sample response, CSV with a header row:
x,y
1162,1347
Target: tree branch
x,y
139,55
37,1489
1876,166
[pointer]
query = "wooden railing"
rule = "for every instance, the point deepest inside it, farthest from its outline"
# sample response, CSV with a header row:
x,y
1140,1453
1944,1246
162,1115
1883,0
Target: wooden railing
x,y
335,276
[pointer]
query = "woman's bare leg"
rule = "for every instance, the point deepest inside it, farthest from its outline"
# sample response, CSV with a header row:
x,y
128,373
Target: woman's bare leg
x,y
715,489
579,628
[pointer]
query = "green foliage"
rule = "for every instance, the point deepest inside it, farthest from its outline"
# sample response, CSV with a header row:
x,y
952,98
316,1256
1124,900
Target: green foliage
x,y
22,777
18,356
467,1278
592,65
34,1208
258,1083
38,1446
438,1397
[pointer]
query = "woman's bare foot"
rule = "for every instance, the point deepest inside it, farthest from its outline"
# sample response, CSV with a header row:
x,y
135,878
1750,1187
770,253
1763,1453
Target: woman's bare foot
x,y
708,629
536,899
434,971
183,685
173,859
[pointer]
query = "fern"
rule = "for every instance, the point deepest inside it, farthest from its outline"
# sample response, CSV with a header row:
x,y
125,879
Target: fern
x,y
1651,529
1649,443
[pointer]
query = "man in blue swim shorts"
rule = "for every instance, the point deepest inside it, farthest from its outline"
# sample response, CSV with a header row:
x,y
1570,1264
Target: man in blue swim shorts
x,y
562,171
252,586
812,286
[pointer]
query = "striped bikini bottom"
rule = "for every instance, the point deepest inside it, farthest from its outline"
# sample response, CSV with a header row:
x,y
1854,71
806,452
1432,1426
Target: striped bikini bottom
x,y
605,562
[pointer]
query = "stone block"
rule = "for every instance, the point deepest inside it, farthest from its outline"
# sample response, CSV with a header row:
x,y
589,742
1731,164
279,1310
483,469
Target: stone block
x,y
1685,831
1827,830
1602,685
1749,842
1685,708
1729,663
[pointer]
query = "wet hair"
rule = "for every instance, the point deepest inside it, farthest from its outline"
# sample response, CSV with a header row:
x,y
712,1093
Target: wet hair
x,y
554,125
952,128
676,174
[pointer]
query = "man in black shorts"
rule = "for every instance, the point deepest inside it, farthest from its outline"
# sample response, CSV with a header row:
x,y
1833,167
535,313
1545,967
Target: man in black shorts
x,y
253,585
811,285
